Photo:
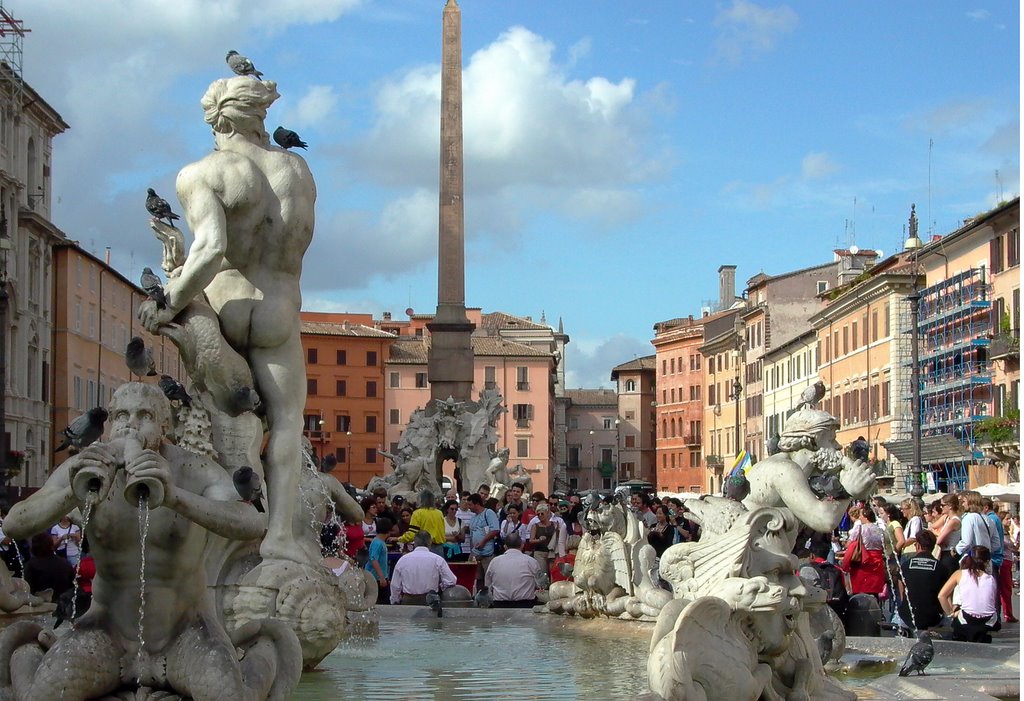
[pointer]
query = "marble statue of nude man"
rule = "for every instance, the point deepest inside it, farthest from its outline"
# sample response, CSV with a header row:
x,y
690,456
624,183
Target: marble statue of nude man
x,y
250,208
808,446
185,647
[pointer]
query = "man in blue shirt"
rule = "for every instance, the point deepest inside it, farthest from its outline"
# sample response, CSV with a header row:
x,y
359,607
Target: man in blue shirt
x,y
483,529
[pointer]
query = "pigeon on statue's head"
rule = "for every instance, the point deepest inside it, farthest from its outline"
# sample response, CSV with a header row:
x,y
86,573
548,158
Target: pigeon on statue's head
x,y
920,656
241,65
812,395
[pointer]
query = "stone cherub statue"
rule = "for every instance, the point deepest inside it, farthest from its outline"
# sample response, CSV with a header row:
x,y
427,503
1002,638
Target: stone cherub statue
x,y
185,649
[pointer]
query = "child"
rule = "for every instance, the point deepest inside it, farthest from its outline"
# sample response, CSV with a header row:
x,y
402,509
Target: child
x,y
377,562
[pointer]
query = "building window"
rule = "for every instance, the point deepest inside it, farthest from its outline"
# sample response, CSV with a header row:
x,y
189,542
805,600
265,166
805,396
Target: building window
x,y
522,378
822,286
606,483
630,386
340,388
342,423
311,356
996,254
371,359
694,392
311,388
574,483
341,454
695,459
523,414
393,379
342,357
574,422
371,388
394,417
371,424
489,381
421,380
874,325
885,319
1013,248
371,456
311,422
606,422
522,447
574,456
630,441
855,336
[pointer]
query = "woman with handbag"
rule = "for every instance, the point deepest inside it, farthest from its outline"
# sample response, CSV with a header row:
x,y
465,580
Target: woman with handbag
x,y
864,559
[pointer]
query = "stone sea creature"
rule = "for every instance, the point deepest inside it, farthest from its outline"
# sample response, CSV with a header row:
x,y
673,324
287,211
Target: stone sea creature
x,y
139,358
286,139
84,430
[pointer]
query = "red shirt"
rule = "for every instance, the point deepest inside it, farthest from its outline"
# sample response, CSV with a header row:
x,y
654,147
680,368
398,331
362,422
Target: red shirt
x,y
353,538
86,572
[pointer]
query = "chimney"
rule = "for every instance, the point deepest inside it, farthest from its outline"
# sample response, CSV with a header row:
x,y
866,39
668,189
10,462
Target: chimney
x,y
106,258
726,286
387,316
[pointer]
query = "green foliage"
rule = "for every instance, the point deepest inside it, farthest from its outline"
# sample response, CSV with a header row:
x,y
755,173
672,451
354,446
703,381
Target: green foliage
x,y
998,429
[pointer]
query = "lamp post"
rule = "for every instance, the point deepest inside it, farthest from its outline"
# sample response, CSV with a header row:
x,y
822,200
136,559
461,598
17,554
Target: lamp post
x,y
618,452
916,474
320,425
348,455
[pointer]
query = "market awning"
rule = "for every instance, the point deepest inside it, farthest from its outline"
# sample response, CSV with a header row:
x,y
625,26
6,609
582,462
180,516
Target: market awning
x,y
935,450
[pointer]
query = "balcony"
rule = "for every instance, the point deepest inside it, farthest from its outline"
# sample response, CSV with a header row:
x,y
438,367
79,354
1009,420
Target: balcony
x,y
692,440
1006,346
715,462
318,436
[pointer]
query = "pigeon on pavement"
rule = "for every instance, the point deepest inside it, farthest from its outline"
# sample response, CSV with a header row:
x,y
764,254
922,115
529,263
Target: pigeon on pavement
x,y
286,138
174,390
159,208
241,65
84,430
152,286
139,358
920,656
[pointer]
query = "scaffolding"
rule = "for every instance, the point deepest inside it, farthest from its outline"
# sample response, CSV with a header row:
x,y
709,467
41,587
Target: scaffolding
x,y
954,329
901,362
12,39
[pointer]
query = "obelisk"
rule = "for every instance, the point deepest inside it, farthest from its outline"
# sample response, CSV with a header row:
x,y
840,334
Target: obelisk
x,y
450,358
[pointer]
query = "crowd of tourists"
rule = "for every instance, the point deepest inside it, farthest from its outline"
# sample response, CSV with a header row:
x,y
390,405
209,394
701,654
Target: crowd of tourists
x,y
954,560
517,544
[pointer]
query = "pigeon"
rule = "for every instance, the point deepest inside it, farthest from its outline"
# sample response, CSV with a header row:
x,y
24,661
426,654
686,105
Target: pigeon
x,y
174,390
920,656
435,603
286,138
152,286
827,486
812,395
84,430
736,487
159,208
247,484
242,400
773,444
139,358
483,599
860,449
825,641
241,65
566,569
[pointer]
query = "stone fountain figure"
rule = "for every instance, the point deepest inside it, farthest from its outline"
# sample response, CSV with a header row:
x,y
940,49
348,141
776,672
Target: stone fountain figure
x,y
738,624
151,509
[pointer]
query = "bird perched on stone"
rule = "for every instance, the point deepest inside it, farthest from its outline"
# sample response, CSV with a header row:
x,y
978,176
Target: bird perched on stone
x,y
84,430
151,285
736,487
860,449
249,487
812,395
241,65
773,444
825,641
286,138
483,599
159,208
139,358
827,486
174,390
920,656
434,601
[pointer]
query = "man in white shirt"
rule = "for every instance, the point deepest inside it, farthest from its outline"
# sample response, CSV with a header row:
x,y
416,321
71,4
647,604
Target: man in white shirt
x,y
512,578
420,572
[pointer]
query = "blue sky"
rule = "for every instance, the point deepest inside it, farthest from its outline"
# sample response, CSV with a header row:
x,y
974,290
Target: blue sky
x,y
617,153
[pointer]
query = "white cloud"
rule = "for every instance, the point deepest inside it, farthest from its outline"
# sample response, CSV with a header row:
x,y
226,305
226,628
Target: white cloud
x,y
589,362
312,108
817,165
979,15
580,50
750,30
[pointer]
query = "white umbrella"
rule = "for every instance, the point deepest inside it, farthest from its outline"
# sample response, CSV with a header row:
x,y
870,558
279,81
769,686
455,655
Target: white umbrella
x,y
1000,492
